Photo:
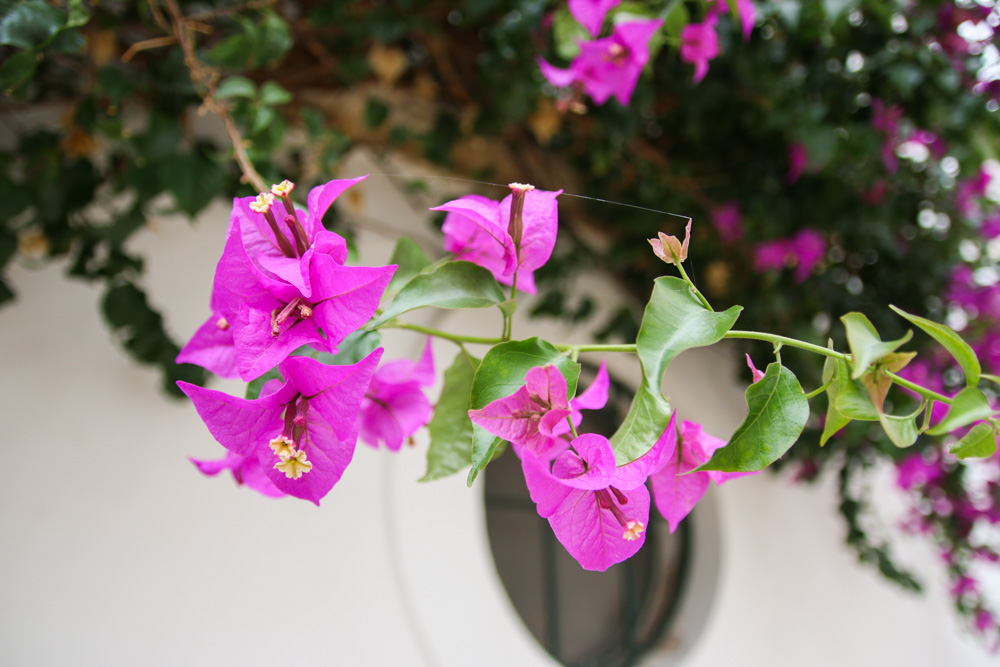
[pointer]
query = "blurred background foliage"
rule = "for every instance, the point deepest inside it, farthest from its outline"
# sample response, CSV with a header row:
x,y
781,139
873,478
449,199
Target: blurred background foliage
x,y
816,122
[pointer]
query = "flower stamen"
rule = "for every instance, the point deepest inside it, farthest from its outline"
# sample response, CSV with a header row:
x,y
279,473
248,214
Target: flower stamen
x,y
262,205
295,466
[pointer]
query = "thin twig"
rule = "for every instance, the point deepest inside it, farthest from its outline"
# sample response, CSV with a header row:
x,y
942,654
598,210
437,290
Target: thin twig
x,y
205,80
233,9
147,44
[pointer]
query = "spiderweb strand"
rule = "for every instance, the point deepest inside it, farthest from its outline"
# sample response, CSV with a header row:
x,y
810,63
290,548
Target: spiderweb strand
x,y
564,194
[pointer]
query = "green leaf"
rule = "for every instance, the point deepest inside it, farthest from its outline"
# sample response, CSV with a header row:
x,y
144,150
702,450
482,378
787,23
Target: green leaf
x,y
968,406
835,369
236,86
676,20
777,413
451,428
272,94
866,346
233,52
193,179
854,401
674,321
17,70
978,443
502,373
451,285
274,39
951,341
351,350
902,431
31,25
647,418
78,14
376,112
567,34
254,387
409,260
264,117
508,307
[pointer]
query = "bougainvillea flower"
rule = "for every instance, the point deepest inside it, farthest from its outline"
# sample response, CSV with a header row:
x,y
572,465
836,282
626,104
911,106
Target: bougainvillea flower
x,y
668,247
395,406
246,471
590,13
598,511
610,66
476,230
212,347
745,8
748,16
532,416
798,158
809,248
270,320
699,44
675,492
804,251
281,241
728,221
757,375
302,431
594,397
915,470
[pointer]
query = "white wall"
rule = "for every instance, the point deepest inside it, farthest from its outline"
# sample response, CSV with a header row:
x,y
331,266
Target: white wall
x,y
115,551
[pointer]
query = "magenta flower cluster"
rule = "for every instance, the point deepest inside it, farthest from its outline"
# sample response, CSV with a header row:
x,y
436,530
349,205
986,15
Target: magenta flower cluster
x,y
610,66
804,251
598,509
281,284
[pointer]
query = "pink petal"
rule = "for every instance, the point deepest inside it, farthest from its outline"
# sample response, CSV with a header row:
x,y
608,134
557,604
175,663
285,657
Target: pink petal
x,y
499,419
334,394
484,215
245,469
345,297
330,243
540,225
547,383
292,270
592,535
237,424
546,492
423,372
393,414
591,466
634,474
590,13
757,375
319,200
212,348
328,456
596,395
258,350
558,77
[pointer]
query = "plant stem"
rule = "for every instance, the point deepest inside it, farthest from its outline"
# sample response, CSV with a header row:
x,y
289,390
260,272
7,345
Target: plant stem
x,y
572,427
595,348
205,80
923,391
774,339
684,276
437,333
813,394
